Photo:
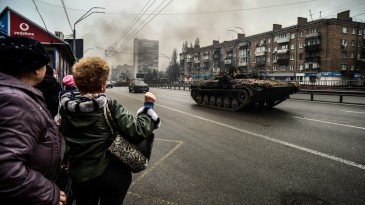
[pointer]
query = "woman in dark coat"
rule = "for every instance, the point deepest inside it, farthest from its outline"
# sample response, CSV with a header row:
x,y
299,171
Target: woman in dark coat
x,y
50,89
30,147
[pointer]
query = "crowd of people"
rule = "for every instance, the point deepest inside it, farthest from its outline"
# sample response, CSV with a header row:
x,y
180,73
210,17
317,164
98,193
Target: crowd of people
x,y
30,138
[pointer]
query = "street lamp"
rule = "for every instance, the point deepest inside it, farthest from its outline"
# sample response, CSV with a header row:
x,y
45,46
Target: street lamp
x,y
233,31
241,29
80,19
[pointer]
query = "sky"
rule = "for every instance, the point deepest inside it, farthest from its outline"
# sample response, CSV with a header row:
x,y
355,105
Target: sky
x,y
171,22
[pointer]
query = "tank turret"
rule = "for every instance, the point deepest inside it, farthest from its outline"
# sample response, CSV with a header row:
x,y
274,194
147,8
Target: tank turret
x,y
236,92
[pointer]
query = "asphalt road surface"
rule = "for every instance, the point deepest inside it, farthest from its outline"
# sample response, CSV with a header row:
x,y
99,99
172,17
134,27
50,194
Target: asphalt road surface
x,y
299,152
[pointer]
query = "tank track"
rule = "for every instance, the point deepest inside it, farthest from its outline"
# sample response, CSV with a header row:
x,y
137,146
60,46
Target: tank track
x,y
230,99
233,99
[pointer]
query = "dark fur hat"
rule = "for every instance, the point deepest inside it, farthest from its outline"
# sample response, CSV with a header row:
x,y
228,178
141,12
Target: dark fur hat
x,y
21,54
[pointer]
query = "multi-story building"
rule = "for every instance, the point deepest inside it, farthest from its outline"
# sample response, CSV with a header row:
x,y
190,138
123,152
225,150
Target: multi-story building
x,y
319,50
145,55
122,72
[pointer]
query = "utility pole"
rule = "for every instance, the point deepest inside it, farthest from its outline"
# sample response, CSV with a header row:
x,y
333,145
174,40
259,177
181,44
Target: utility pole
x,y
80,19
310,14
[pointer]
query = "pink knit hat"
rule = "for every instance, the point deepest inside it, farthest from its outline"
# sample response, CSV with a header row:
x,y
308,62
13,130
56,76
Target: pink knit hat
x,y
68,80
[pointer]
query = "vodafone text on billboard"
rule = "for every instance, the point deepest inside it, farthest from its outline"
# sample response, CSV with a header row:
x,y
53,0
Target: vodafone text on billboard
x,y
23,30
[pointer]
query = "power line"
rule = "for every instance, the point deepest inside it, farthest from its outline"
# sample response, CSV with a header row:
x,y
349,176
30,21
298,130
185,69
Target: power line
x,y
133,22
68,19
193,13
146,23
50,39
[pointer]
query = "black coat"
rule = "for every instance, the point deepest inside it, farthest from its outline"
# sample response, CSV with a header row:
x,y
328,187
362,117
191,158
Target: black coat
x,y
50,89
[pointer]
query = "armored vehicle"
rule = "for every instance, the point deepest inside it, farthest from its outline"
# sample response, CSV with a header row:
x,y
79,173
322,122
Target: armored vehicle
x,y
241,91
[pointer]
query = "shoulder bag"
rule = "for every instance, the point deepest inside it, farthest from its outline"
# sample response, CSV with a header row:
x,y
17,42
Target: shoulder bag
x,y
135,156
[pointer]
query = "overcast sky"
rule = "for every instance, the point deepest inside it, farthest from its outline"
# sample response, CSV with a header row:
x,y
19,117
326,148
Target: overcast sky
x,y
178,20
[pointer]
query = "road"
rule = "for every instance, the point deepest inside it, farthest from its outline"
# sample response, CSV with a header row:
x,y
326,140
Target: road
x,y
300,152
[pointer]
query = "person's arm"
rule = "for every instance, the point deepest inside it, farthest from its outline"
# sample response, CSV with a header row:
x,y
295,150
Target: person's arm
x,y
133,128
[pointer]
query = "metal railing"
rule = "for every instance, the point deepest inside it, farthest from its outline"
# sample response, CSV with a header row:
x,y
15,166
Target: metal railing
x,y
340,96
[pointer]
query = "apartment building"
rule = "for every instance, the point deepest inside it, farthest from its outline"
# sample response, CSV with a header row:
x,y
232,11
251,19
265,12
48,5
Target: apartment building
x,y
319,50
145,55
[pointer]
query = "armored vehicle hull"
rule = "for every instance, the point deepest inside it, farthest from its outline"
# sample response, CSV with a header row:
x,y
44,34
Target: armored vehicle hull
x,y
237,94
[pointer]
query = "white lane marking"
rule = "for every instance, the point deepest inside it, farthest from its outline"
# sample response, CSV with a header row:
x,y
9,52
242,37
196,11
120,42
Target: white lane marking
x,y
149,169
321,154
332,123
352,111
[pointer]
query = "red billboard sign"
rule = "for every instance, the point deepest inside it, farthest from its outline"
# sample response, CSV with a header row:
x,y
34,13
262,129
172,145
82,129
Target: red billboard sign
x,y
21,27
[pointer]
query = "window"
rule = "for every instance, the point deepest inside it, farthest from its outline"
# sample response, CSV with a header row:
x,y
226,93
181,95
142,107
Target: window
x,y
354,31
291,67
352,43
269,40
301,45
344,54
343,66
291,57
343,42
359,44
274,68
292,46
300,67
275,49
300,56
313,31
292,36
360,31
344,30
269,50
301,34
358,56
268,59
352,55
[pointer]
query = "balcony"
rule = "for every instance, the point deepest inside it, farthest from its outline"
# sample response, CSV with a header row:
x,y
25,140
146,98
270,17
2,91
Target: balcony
x,y
315,59
311,66
227,61
282,51
283,40
243,44
283,61
216,56
188,60
313,35
313,47
196,60
242,64
260,53
260,63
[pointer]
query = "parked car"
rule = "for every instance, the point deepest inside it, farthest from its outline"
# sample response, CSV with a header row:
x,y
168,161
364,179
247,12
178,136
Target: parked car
x,y
109,84
138,86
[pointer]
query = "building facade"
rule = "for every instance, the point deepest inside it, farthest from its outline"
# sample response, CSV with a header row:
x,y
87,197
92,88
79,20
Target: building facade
x,y
13,23
145,56
319,50
121,73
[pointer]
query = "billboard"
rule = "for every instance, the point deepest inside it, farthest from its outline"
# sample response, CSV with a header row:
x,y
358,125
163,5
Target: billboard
x,y
21,27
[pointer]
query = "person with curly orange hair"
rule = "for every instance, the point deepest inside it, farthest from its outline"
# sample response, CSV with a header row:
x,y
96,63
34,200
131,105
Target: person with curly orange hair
x,y
98,175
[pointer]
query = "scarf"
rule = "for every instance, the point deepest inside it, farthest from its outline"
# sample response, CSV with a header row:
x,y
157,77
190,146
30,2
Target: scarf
x,y
74,102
